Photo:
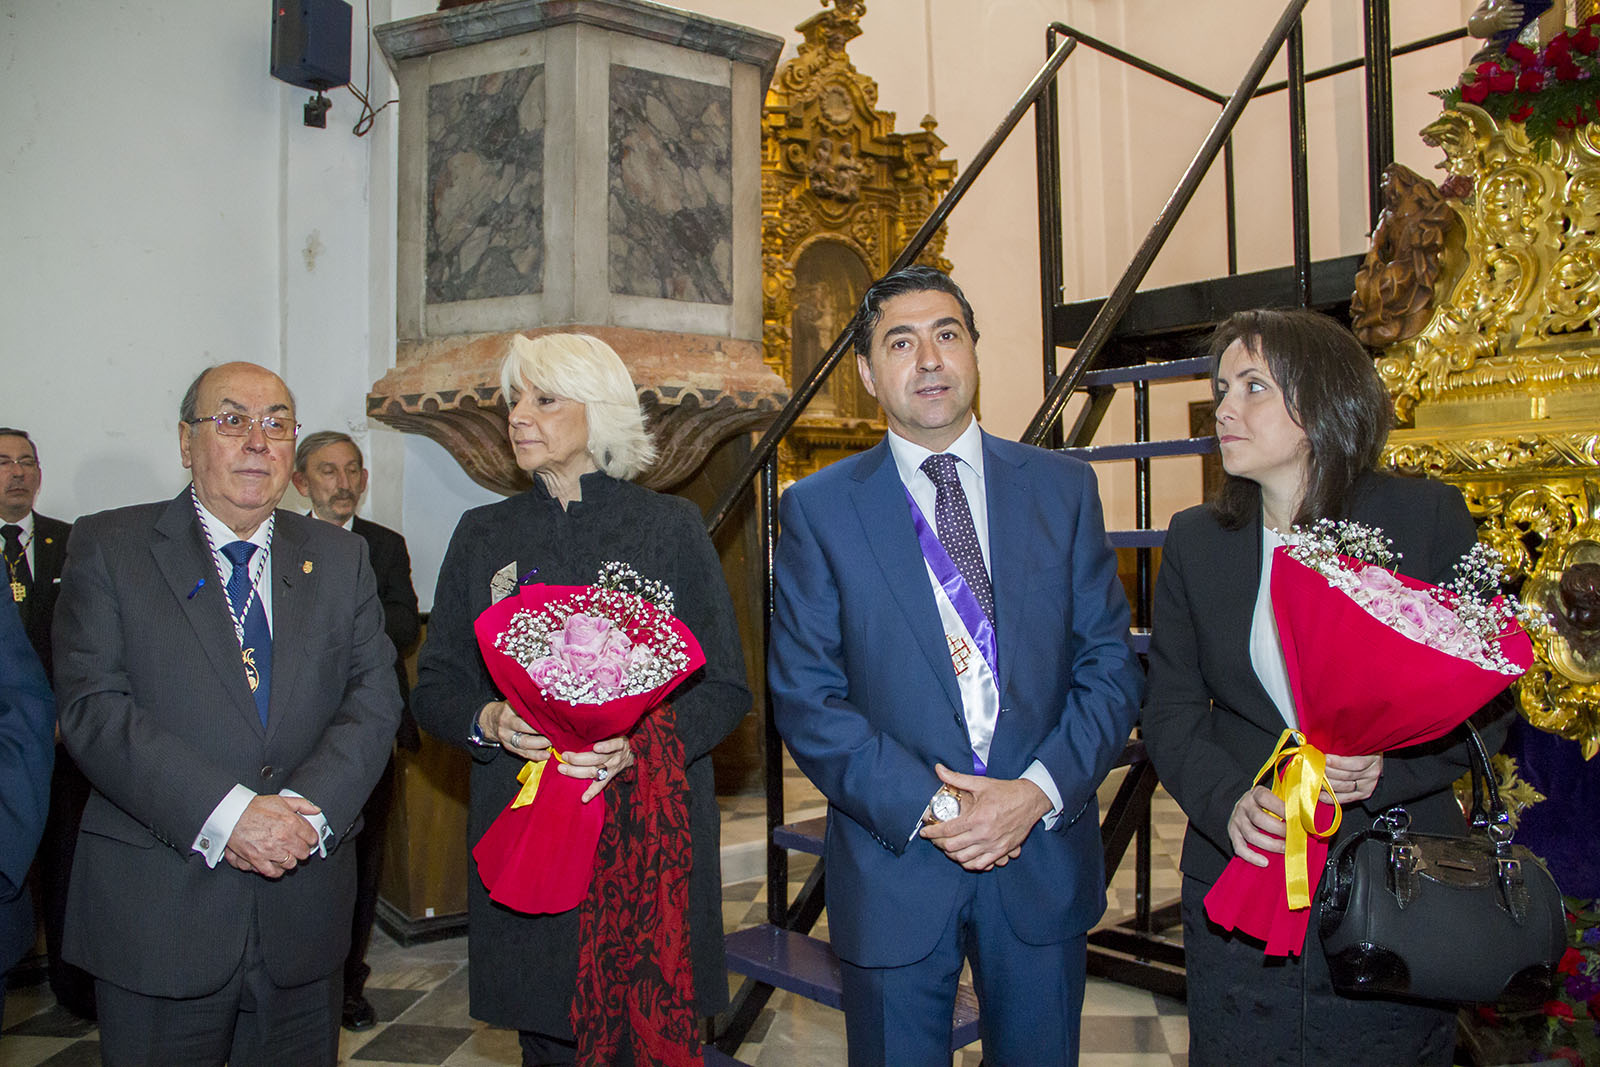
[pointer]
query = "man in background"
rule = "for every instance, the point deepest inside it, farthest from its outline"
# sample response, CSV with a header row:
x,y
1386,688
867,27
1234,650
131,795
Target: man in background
x,y
35,546
330,471
223,679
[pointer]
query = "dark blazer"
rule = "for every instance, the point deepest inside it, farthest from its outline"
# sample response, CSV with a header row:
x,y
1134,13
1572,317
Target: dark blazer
x,y
49,553
27,747
391,565
866,696
155,709
524,966
1208,723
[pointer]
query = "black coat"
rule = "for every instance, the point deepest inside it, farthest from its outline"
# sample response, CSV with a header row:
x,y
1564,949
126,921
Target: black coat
x,y
1208,723
39,609
523,967
391,565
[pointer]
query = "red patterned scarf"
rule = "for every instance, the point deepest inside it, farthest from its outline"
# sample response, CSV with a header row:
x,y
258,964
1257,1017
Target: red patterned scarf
x,y
635,970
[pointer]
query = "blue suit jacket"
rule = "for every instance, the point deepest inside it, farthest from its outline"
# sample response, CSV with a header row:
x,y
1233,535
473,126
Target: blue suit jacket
x,y
865,694
27,750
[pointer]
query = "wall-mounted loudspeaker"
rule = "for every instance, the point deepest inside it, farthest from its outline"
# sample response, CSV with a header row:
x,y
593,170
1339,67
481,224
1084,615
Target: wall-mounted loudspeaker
x,y
311,43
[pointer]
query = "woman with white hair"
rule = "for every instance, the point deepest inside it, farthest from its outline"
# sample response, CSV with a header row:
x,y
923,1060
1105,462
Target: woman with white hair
x,y
576,426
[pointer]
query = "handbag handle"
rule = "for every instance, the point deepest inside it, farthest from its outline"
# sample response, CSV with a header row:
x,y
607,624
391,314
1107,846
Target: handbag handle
x,y
1484,786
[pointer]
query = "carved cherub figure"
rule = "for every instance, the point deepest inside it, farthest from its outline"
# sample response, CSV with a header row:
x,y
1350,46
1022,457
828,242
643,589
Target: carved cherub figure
x,y
1499,22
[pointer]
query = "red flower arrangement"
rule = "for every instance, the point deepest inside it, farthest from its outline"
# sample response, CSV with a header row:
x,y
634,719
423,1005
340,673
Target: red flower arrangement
x,y
1546,91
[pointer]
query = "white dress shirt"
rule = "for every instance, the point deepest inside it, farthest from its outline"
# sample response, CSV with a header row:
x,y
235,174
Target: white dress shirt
x,y
219,825
968,451
1266,651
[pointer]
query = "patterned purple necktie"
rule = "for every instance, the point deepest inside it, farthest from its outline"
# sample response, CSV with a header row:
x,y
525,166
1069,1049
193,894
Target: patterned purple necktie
x,y
953,521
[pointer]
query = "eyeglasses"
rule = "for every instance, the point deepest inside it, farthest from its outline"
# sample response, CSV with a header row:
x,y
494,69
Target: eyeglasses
x,y
27,463
238,424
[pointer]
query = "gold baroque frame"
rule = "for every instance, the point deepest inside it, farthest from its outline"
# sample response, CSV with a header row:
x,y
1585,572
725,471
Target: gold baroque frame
x,y
836,181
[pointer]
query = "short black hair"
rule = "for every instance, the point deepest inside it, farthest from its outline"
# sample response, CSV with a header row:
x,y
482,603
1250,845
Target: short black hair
x,y
11,431
913,279
1333,392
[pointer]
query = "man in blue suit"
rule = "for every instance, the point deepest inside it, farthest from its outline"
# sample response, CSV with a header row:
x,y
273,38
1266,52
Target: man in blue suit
x,y
950,665
27,750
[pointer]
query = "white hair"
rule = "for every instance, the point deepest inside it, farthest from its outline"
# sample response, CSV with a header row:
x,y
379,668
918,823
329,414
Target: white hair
x,y
586,369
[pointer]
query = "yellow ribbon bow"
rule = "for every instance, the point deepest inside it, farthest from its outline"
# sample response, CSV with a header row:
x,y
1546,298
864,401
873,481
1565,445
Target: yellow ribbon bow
x,y
529,776
1301,782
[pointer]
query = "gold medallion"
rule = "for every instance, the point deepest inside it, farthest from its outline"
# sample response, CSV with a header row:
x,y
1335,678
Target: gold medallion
x,y
251,675
305,568
19,592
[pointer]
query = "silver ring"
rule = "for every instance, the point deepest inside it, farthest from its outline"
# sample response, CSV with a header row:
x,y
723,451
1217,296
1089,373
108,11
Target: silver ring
x,y
600,774
516,739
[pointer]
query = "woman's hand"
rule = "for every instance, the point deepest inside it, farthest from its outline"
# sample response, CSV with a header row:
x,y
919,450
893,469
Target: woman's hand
x,y
1256,823
1352,778
499,723
608,759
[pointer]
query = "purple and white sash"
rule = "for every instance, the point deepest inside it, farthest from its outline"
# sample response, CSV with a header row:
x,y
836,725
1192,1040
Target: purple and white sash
x,y
970,637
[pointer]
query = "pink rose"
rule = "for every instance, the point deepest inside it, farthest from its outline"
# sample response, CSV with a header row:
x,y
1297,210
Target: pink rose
x,y
609,671
1379,605
1378,580
581,641
641,658
545,672
1411,617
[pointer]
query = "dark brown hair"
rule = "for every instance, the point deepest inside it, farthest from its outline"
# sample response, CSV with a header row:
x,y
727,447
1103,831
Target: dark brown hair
x,y
1333,393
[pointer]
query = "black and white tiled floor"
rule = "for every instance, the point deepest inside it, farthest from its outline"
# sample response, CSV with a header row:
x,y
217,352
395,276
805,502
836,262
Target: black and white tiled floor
x,y
420,993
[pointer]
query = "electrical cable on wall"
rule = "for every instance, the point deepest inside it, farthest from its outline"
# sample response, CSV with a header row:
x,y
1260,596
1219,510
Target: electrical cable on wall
x,y
369,115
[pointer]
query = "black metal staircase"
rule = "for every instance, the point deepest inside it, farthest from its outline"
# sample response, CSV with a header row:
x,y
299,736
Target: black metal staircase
x,y
1129,339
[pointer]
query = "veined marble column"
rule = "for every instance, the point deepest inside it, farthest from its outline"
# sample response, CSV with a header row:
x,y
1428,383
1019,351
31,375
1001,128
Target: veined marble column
x,y
585,165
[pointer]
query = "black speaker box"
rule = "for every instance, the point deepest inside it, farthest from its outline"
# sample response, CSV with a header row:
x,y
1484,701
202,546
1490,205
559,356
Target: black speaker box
x,y
311,43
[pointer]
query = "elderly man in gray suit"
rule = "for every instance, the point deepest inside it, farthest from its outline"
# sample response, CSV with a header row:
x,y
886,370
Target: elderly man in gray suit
x,y
224,681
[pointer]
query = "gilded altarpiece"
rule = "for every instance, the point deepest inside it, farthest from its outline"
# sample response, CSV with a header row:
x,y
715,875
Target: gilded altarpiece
x,y
841,193
1496,375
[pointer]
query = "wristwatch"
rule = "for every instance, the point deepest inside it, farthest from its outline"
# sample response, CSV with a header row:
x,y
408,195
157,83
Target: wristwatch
x,y
477,737
945,805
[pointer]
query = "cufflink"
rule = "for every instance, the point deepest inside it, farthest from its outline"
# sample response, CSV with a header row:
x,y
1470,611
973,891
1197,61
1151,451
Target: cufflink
x,y
205,844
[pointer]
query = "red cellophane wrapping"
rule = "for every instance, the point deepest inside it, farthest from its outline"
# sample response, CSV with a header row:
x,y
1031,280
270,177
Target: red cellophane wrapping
x,y
539,858
1359,687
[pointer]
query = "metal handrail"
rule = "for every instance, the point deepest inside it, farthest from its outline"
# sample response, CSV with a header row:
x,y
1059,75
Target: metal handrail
x,y
808,389
1111,312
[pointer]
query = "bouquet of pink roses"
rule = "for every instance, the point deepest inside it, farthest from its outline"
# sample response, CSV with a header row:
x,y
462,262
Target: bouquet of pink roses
x,y
1376,661
580,664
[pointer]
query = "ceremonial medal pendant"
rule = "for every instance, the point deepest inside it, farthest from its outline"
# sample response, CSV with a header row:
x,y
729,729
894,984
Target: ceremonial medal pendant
x,y
19,592
251,675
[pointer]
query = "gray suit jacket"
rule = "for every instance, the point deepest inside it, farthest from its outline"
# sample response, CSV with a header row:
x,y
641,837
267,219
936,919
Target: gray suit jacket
x,y
155,708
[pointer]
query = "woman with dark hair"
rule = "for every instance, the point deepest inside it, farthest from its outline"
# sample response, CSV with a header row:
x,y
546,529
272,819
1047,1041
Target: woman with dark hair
x,y
1301,419
577,984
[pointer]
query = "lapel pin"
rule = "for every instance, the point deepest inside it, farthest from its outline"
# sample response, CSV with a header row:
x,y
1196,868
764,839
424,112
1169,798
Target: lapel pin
x,y
305,568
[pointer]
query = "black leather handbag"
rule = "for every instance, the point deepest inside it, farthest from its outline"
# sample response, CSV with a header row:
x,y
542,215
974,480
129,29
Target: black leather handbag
x,y
1471,919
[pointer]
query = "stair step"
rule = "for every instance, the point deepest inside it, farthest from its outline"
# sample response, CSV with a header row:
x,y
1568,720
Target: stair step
x,y
1195,305
1166,370
1181,446
805,965
1137,538
803,836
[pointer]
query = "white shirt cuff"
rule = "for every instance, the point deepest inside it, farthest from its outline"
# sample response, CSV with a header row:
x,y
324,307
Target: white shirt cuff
x,y
1041,778
218,828
319,823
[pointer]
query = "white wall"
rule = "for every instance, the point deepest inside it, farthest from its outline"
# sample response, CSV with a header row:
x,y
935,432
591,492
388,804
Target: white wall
x,y
166,209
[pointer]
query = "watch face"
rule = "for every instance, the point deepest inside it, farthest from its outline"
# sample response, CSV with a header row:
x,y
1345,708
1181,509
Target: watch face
x,y
945,807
